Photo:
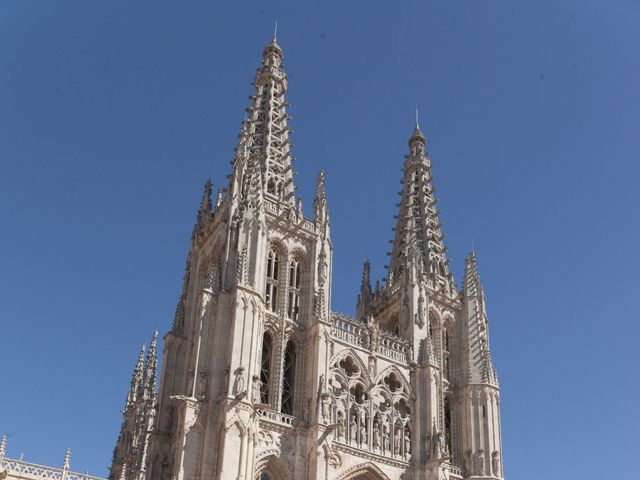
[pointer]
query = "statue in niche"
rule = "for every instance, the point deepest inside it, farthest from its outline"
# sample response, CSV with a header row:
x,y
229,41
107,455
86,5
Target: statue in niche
x,y
386,442
255,393
353,428
441,446
340,424
376,436
495,463
396,441
363,431
468,468
326,407
407,444
240,384
428,448
480,459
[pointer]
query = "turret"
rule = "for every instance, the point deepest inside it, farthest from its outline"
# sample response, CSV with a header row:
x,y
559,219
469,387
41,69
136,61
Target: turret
x,y
365,291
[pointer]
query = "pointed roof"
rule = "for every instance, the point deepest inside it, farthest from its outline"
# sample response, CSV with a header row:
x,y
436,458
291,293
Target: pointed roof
x,y
205,210
136,379
419,242
150,368
478,356
263,162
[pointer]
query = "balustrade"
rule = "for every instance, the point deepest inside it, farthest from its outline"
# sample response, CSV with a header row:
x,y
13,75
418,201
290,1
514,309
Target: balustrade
x,y
33,471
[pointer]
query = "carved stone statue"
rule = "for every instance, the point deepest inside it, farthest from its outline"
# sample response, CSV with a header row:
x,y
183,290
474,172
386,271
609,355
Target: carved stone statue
x,y
326,407
363,433
428,447
480,462
353,428
407,444
340,424
396,441
468,467
495,463
376,436
441,447
240,384
256,389
385,436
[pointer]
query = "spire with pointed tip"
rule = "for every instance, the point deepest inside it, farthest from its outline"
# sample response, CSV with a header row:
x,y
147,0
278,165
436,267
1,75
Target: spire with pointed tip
x,y
418,246
136,379
150,368
3,447
477,353
66,465
263,162
365,290
205,211
320,210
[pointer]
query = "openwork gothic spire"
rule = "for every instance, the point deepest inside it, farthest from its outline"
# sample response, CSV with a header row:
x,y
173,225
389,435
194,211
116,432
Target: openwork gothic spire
x,y
480,365
264,148
418,245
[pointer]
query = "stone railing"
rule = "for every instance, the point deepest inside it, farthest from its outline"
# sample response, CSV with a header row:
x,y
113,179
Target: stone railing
x,y
349,330
394,347
455,472
31,471
357,333
279,209
277,417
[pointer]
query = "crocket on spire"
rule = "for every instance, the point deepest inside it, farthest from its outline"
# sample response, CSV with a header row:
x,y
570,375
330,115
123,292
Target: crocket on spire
x,y
418,245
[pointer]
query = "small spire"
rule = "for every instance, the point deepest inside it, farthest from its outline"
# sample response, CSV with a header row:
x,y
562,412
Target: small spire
x,y
417,123
151,366
320,200
3,447
205,210
67,461
136,378
275,32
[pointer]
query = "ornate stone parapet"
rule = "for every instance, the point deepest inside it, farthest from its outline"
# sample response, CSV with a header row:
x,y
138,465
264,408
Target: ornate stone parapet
x,y
32,471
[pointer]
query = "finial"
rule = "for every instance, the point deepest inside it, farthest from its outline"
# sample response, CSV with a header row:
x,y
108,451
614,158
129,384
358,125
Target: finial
x,y
417,123
275,32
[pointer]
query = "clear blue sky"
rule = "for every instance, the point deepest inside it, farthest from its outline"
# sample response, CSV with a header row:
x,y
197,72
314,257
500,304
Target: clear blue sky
x,y
114,113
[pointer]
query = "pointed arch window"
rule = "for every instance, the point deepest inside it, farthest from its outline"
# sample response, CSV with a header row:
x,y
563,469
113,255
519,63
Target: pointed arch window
x,y
288,378
265,367
271,289
293,296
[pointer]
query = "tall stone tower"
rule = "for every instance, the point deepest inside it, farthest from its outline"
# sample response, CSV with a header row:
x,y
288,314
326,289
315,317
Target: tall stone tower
x,y
261,380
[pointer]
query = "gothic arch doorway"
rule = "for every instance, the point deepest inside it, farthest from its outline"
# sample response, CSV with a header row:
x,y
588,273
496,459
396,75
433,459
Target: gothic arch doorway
x,y
364,471
272,468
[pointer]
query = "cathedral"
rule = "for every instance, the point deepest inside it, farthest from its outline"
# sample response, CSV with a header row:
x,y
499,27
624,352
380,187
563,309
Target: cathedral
x,y
261,380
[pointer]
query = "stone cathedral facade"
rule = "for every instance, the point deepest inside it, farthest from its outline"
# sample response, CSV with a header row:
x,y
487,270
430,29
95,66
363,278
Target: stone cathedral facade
x,y
260,380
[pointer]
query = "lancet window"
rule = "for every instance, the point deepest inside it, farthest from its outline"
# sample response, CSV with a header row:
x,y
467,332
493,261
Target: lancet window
x,y
446,348
293,296
265,367
271,289
288,379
